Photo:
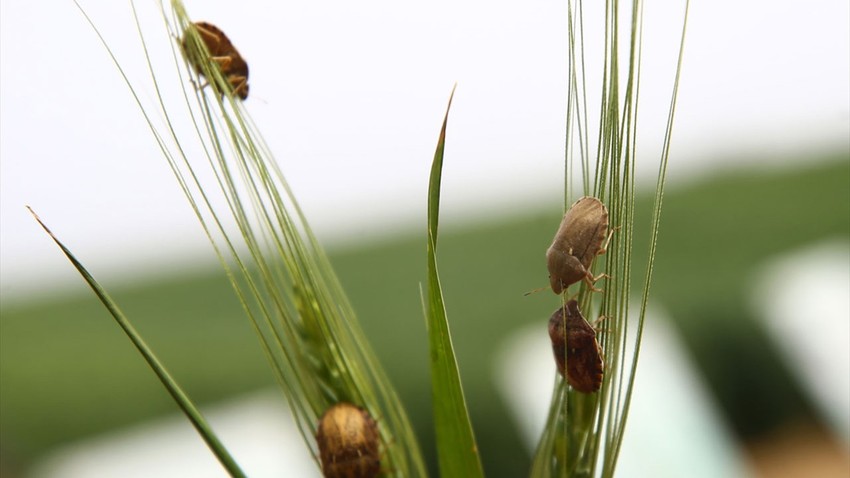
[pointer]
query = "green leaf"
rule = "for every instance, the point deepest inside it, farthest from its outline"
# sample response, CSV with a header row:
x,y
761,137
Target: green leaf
x,y
189,408
456,448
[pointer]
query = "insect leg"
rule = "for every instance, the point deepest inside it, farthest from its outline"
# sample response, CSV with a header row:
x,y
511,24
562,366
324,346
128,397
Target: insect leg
x,y
223,61
591,281
598,321
208,35
239,84
604,248
200,87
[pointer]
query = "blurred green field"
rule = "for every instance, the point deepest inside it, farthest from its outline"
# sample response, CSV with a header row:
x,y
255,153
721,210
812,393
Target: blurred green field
x,y
67,371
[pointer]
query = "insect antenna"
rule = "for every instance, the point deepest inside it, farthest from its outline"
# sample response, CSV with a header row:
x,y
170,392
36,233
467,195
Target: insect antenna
x,y
534,291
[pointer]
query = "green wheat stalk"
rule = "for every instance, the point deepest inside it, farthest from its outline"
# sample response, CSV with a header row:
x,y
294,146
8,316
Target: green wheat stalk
x,y
281,275
584,432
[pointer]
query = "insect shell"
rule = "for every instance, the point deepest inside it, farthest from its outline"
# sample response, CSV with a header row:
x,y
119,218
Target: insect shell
x,y
578,343
578,241
348,443
233,66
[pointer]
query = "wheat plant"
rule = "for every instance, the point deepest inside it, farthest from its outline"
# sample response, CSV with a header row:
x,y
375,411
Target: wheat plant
x,y
584,431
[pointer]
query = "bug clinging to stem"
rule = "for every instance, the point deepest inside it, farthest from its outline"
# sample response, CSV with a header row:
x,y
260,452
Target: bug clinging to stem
x,y
234,68
574,339
580,238
348,442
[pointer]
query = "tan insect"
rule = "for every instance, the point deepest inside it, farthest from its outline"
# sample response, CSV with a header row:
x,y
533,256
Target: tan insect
x,y
348,443
574,338
579,240
233,66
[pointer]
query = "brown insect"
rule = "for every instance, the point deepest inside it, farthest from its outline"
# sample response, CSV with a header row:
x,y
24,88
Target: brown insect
x,y
578,343
233,66
578,241
348,443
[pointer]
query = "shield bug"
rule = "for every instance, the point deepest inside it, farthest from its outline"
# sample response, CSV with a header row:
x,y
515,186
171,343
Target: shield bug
x,y
348,442
221,51
579,240
574,338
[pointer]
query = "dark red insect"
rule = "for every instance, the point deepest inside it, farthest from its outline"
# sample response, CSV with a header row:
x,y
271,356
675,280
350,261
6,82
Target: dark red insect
x,y
574,338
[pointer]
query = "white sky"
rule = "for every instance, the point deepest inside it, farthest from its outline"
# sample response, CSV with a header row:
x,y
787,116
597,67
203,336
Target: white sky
x,y
350,96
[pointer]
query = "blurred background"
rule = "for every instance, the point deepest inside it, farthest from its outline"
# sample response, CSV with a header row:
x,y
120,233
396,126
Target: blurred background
x,y
746,364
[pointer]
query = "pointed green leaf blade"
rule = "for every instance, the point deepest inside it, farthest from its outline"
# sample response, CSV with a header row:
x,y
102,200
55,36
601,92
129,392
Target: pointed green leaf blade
x,y
456,448
183,401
